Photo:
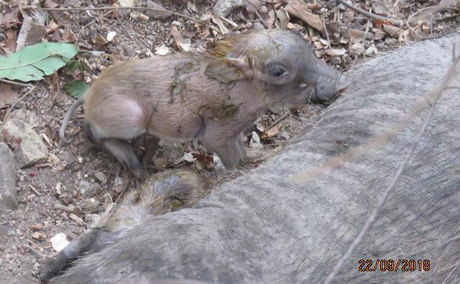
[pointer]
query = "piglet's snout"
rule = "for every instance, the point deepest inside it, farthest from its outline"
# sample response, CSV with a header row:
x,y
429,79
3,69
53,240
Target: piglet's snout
x,y
326,81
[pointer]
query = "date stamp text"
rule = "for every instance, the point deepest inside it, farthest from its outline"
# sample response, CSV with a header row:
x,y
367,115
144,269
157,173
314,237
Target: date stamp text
x,y
392,265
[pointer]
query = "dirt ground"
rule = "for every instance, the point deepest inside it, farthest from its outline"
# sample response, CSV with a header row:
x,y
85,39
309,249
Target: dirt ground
x,y
64,193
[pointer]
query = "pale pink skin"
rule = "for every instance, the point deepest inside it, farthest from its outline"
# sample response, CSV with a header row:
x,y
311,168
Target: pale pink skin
x,y
134,98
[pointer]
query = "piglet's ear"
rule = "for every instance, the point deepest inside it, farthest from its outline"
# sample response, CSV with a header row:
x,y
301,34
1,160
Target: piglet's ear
x,y
227,70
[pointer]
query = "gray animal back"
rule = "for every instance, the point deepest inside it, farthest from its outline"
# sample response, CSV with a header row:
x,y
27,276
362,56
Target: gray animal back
x,y
262,228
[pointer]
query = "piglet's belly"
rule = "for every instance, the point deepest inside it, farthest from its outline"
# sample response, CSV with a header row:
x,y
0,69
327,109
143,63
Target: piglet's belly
x,y
176,127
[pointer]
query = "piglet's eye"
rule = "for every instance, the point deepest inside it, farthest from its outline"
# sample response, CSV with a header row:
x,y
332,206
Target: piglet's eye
x,y
275,70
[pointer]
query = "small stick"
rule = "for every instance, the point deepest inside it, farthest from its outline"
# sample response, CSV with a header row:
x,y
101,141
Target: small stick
x,y
34,190
276,122
395,22
118,8
327,34
15,83
366,31
91,22
8,112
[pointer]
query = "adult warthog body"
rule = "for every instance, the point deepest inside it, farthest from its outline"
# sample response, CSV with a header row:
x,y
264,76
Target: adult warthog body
x,y
265,227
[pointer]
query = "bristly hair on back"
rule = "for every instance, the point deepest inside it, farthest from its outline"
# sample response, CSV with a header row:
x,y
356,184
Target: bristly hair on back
x,y
222,47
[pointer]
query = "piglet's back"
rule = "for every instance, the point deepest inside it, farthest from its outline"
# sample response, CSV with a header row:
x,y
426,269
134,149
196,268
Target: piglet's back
x,y
141,80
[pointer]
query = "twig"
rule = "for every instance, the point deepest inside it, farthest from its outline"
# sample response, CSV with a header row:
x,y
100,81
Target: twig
x,y
117,8
8,112
366,31
433,97
34,190
327,34
91,22
276,122
15,83
392,21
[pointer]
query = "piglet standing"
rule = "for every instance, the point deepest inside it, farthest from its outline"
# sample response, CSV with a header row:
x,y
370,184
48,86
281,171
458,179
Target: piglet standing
x,y
212,97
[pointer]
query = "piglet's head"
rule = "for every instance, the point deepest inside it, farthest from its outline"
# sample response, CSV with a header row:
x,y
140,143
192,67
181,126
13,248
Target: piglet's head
x,y
282,61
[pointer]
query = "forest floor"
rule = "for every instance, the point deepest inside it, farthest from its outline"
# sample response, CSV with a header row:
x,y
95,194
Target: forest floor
x,y
66,191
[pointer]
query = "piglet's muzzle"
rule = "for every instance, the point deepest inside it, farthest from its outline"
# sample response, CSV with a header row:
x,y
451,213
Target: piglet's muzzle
x,y
326,83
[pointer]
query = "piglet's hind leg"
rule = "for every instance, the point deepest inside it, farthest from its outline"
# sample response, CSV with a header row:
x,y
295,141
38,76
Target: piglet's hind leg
x,y
124,153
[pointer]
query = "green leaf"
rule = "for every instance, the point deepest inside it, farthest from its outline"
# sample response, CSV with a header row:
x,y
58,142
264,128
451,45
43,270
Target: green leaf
x,y
34,62
76,88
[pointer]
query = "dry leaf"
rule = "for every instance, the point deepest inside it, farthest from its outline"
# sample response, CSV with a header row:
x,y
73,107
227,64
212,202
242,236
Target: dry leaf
x,y
156,14
205,160
392,30
35,34
206,17
379,23
277,3
300,10
282,18
9,18
252,6
272,131
69,36
52,26
55,14
8,95
10,41
182,43
49,4
100,41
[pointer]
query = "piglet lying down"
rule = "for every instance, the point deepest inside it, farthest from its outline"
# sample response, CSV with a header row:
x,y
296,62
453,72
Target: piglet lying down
x,y
212,96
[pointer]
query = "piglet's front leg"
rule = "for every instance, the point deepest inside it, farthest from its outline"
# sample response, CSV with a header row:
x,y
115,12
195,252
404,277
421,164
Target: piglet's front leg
x,y
217,138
